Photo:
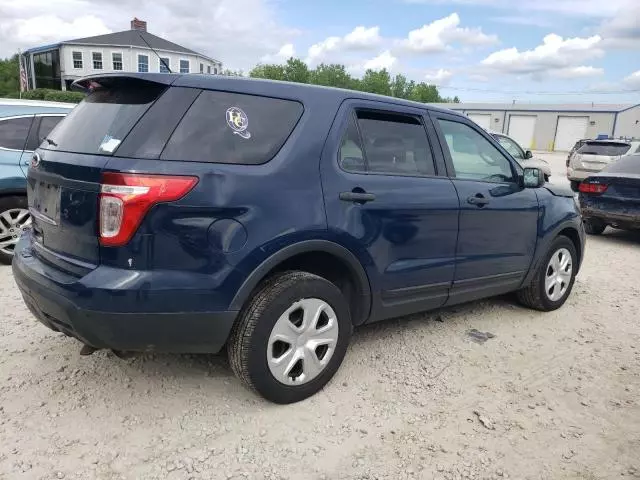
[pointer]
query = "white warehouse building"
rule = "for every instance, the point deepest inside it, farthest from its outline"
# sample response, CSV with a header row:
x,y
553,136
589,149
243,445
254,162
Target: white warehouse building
x,y
554,127
57,66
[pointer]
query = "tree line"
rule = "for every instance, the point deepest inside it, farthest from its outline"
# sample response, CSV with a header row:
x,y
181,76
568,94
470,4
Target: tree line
x,y
294,70
335,75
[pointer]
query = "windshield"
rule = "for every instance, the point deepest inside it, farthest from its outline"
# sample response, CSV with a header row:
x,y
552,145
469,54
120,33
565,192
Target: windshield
x,y
610,149
102,120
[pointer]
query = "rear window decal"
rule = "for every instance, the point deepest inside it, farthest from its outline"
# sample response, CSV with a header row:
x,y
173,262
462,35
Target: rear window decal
x,y
238,122
109,144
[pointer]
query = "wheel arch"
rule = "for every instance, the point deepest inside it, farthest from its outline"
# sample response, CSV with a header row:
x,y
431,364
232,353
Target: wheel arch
x,y
324,258
572,234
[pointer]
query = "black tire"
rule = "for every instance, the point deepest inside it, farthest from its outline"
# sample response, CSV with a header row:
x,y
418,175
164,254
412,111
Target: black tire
x,y
575,186
10,203
534,295
594,227
248,343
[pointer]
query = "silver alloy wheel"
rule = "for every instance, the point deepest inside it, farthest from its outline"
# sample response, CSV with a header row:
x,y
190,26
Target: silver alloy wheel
x,y
12,223
558,275
302,341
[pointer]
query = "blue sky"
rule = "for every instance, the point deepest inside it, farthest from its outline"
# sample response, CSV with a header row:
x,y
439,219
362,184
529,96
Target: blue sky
x,y
480,50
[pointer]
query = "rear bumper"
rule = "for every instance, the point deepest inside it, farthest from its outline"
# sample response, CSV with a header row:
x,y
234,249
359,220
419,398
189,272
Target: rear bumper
x,y
616,219
69,305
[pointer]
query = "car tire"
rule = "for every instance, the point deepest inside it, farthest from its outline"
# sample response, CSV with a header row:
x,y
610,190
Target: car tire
x,y
273,330
12,224
575,186
594,227
540,294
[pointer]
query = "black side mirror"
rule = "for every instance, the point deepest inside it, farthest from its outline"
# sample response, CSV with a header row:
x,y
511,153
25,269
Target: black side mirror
x,y
533,178
528,154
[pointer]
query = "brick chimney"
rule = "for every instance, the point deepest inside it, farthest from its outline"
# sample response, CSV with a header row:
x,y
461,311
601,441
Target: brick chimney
x,y
138,25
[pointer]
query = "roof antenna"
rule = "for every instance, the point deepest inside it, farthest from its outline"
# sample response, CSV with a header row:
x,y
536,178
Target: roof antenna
x,y
151,48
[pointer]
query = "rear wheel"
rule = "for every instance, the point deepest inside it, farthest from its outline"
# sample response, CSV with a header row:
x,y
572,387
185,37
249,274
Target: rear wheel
x,y
594,227
291,338
14,219
575,186
554,278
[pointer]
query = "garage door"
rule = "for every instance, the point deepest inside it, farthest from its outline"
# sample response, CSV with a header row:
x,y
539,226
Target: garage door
x,y
521,128
482,119
569,131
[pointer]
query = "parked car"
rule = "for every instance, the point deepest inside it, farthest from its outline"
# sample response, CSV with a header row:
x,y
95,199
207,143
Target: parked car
x,y
522,156
594,155
612,196
188,213
23,126
575,147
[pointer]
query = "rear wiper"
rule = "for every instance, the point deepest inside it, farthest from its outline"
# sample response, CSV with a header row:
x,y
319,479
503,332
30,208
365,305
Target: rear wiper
x,y
51,142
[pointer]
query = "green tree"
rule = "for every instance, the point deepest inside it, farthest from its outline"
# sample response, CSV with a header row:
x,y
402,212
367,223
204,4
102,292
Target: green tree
x,y
377,82
333,75
9,76
296,71
400,86
425,93
269,71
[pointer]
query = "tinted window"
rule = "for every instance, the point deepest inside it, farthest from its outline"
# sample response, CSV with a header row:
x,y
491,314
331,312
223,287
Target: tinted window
x,y
103,119
473,156
510,146
13,132
350,155
47,124
395,144
611,149
225,127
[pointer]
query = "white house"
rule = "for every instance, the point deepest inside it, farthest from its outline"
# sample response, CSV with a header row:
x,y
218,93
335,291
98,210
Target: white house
x,y
57,66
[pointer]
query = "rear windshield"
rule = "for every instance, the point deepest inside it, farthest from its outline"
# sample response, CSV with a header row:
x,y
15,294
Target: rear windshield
x,y
610,149
223,127
102,120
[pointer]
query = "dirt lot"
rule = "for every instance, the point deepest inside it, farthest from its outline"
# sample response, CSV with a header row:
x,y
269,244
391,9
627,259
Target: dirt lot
x,y
551,396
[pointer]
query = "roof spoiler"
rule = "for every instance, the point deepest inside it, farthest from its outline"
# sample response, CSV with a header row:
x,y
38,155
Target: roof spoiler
x,y
89,83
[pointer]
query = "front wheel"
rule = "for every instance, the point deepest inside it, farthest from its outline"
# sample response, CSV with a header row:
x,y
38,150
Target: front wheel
x,y
291,337
554,278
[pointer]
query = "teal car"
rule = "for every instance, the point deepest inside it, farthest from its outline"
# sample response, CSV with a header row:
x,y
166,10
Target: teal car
x,y
24,124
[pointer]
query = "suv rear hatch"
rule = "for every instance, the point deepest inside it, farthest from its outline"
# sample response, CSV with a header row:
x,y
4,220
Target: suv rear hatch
x,y
66,171
595,155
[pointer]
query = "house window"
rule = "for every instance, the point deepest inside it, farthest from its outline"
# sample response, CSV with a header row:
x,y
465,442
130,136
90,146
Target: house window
x,y
202,68
209,69
143,63
77,59
184,66
97,60
117,61
165,64
215,70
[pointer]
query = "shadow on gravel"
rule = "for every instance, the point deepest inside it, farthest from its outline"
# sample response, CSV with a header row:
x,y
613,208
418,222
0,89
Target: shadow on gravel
x,y
620,237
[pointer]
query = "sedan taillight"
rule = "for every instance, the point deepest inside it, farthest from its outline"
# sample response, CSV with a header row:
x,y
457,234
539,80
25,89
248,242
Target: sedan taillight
x,y
126,198
593,188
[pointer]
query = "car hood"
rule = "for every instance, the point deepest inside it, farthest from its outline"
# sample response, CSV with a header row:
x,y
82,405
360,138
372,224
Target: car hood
x,y
537,163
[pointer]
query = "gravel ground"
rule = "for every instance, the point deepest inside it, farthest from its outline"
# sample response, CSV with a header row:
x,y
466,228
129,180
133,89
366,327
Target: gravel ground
x,y
550,396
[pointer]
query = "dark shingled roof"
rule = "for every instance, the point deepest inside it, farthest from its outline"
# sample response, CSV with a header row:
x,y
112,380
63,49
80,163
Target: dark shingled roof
x,y
132,37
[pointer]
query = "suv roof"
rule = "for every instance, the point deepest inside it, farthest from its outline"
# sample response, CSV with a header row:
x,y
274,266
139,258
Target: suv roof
x,y
270,88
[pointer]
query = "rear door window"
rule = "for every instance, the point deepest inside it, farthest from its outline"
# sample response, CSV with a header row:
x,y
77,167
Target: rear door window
x,y
223,127
41,128
102,120
609,149
14,132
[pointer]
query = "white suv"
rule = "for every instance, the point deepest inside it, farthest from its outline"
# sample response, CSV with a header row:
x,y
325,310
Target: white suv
x,y
594,155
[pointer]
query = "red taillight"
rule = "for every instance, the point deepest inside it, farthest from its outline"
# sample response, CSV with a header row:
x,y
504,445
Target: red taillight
x,y
596,188
125,198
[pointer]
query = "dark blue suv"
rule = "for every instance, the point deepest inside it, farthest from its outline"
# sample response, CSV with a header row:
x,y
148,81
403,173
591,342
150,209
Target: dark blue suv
x,y
189,213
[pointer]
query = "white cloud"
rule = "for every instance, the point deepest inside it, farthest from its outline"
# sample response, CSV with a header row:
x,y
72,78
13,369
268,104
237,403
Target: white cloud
x,y
285,53
440,77
360,38
555,53
238,37
384,60
477,77
438,35
623,30
633,80
578,72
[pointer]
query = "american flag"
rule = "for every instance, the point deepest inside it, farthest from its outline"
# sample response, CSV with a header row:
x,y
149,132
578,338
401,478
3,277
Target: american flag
x,y
23,75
